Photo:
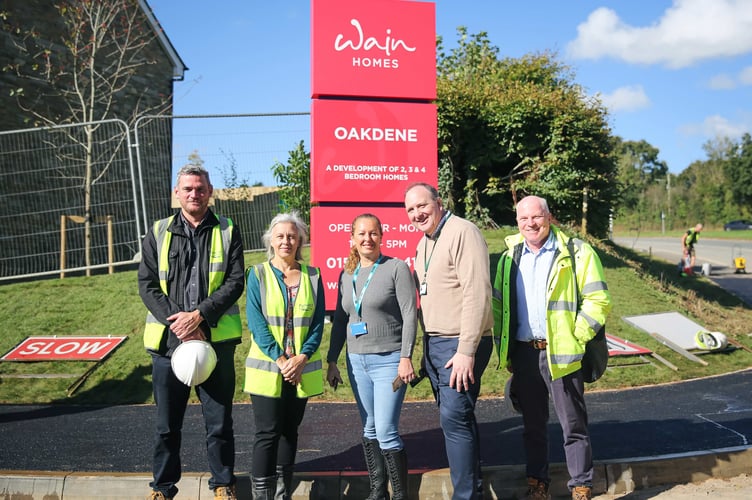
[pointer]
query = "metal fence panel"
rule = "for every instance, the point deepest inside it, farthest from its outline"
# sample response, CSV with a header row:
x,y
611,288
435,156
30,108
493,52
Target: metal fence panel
x,y
55,182
238,151
252,217
78,187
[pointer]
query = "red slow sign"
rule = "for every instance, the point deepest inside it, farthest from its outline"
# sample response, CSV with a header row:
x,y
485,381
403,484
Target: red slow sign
x,y
330,237
63,348
365,151
378,48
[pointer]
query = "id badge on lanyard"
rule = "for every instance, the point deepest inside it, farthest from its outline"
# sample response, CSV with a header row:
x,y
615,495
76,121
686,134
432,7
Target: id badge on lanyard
x,y
360,328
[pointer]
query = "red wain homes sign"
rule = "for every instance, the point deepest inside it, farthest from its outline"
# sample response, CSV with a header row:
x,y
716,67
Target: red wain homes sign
x,y
375,48
63,349
373,80
371,150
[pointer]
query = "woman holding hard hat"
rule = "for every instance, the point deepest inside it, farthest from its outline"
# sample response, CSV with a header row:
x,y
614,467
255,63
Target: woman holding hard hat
x,y
285,310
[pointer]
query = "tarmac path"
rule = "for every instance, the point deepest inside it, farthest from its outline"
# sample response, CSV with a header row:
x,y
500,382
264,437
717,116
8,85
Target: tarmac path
x,y
681,418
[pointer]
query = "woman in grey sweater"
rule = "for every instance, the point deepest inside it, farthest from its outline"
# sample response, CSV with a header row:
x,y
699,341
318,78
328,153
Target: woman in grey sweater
x,y
376,315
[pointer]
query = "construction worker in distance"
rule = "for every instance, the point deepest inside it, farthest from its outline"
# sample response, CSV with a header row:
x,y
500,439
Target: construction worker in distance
x,y
688,244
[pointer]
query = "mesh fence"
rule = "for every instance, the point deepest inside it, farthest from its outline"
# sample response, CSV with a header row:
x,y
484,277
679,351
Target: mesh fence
x,y
238,151
80,197
66,187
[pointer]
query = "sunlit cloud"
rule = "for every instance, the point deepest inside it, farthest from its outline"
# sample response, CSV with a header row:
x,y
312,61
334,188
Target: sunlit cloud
x,y
745,76
629,98
689,31
722,82
715,126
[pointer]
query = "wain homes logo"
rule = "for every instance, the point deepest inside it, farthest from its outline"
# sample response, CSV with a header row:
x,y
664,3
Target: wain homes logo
x,y
359,42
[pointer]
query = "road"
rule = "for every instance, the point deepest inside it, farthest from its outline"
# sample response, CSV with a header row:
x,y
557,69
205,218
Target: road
x,y
718,253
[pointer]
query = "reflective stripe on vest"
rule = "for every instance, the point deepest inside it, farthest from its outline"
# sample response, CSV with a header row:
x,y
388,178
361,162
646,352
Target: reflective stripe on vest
x,y
229,326
262,375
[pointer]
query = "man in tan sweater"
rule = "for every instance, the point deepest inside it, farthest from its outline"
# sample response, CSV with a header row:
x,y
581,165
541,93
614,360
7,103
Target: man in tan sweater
x,y
453,277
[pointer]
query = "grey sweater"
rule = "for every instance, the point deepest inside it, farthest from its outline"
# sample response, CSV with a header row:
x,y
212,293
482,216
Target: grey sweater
x,y
388,308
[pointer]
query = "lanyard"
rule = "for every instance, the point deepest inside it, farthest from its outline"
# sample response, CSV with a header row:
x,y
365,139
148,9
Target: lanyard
x,y
427,259
357,301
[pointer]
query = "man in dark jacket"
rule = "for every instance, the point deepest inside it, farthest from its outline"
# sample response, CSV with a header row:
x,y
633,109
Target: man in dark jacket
x,y
190,278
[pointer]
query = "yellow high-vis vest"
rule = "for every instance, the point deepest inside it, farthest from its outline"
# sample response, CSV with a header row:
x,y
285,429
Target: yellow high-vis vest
x,y
262,375
229,326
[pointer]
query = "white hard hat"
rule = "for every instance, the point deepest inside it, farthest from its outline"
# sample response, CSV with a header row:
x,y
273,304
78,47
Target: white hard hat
x,y
193,361
711,341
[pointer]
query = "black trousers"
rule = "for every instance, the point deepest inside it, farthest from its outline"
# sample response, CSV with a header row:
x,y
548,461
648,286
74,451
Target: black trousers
x,y
276,439
533,385
171,397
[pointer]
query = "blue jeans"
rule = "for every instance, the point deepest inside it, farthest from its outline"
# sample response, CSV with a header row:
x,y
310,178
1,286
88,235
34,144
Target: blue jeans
x,y
171,397
457,413
371,376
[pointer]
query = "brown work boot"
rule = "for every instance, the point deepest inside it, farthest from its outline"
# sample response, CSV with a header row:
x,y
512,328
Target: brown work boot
x,y
536,490
582,493
225,493
158,495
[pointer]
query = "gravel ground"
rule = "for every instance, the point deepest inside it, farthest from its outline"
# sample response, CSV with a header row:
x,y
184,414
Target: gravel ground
x,y
739,487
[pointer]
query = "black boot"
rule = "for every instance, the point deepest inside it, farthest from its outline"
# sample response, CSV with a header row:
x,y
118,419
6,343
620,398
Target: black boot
x,y
396,464
376,470
284,482
264,487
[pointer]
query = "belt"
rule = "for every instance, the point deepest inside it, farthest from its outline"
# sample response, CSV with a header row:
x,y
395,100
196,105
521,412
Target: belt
x,y
539,344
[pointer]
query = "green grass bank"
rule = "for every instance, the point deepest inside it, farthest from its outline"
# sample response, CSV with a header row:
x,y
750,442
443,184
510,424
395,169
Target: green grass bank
x,y
110,305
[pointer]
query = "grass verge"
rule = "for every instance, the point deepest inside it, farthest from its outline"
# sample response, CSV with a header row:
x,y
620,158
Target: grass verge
x,y
110,305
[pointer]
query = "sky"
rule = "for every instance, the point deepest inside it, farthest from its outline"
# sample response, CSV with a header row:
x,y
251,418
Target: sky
x,y
675,73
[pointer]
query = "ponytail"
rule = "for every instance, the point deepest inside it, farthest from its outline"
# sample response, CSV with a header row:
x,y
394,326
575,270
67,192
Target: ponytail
x,y
352,260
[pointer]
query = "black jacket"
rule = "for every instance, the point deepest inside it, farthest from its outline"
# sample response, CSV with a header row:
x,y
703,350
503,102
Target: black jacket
x,y
211,306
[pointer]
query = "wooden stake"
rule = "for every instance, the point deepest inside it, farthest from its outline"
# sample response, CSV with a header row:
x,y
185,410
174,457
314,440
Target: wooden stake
x,y
736,343
63,218
110,245
665,361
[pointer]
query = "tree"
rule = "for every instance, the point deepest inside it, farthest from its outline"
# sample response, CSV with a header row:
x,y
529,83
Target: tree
x,y
711,196
643,182
510,127
643,158
194,158
230,172
82,77
710,191
295,181
739,174
703,193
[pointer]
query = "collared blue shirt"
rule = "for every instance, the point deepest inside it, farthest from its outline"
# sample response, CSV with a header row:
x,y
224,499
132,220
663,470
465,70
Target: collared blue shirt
x,y
531,284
